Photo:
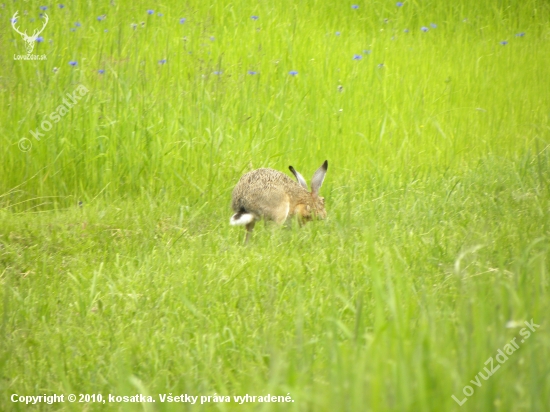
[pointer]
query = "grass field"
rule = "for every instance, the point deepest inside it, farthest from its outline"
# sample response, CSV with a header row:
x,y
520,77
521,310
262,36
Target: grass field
x,y
120,274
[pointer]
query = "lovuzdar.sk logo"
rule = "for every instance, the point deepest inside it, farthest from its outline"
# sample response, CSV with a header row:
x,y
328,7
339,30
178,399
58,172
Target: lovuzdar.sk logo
x,y
29,40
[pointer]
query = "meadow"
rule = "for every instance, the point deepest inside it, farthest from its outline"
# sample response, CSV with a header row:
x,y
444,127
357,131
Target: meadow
x,y
425,289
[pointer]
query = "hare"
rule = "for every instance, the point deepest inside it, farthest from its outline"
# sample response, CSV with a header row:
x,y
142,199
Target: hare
x,y
272,195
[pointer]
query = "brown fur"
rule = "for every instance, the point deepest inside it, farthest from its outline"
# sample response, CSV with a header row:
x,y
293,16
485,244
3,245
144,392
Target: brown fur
x,y
272,195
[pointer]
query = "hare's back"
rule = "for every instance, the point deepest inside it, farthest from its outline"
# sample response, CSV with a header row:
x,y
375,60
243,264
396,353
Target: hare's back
x,y
260,187
267,179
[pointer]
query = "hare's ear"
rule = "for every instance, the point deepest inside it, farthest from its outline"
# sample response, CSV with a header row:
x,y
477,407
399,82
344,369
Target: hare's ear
x,y
299,177
318,177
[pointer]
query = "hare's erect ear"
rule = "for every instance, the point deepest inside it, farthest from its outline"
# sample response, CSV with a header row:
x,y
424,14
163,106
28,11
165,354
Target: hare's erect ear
x,y
318,177
299,177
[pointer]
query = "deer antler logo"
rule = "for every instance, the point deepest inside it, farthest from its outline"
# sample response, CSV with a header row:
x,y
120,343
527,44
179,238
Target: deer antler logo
x,y
29,40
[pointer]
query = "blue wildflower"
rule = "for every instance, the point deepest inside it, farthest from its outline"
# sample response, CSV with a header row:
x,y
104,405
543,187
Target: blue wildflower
x,y
43,8
406,31
163,61
77,24
39,39
434,26
424,29
61,6
13,20
399,4
73,63
520,34
293,72
254,17
504,42
182,20
252,72
150,11
355,6
337,33
357,57
102,17
101,71
217,73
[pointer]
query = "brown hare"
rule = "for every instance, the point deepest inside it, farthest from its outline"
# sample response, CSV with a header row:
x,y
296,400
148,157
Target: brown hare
x,y
272,195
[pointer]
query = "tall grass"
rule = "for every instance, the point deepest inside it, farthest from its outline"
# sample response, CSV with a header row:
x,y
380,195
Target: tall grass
x,y
120,274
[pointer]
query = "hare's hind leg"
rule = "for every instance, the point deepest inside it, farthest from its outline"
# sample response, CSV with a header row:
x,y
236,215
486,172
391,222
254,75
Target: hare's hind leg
x,y
249,228
280,212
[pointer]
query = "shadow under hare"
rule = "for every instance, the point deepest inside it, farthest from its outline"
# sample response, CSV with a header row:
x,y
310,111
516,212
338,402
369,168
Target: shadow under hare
x,y
272,195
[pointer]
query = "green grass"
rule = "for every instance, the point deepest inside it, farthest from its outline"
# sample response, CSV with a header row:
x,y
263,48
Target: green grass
x,y
120,274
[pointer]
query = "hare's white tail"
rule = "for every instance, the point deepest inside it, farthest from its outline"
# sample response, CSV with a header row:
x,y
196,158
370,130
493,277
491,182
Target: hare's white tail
x,y
241,219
